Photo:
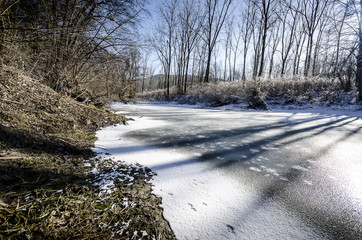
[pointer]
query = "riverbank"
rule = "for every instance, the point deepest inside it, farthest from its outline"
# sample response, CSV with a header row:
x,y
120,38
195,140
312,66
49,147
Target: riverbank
x,y
50,177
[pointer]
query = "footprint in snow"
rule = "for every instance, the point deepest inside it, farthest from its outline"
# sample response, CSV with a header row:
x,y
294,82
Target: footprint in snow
x,y
196,182
230,228
192,207
171,194
205,204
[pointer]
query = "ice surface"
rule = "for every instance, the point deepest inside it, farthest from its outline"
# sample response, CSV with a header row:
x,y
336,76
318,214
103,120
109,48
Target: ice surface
x,y
199,199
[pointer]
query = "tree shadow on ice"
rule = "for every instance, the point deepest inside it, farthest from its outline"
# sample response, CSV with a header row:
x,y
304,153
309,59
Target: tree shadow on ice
x,y
337,223
149,138
294,133
231,158
282,148
189,141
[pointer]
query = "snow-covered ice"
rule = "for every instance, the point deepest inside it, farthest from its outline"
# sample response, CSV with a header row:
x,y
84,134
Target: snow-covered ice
x,y
200,201
194,196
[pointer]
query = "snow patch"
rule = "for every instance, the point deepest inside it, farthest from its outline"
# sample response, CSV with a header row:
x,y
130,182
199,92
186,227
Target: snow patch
x,y
254,150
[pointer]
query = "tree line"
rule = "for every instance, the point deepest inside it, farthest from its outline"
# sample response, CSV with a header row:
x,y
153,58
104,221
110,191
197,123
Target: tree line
x,y
225,40
92,48
85,48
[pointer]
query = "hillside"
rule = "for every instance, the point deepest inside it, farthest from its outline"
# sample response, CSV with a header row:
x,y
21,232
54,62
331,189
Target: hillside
x,y
47,188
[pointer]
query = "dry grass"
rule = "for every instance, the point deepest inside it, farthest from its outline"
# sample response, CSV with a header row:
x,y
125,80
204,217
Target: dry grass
x,y
43,117
46,190
295,90
60,202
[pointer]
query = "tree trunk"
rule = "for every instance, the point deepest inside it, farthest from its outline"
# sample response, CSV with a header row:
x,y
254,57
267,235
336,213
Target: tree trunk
x,y
187,70
226,58
359,59
263,50
359,56
271,65
244,71
308,56
282,71
207,73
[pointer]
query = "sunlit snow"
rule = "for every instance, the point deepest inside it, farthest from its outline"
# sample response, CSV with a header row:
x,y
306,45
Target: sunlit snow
x,y
244,175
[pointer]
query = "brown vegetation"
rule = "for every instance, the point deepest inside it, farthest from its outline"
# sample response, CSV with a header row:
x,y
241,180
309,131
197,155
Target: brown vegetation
x,y
46,189
302,91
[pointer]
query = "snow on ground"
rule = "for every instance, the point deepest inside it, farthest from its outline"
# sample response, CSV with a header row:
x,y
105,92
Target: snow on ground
x,y
353,110
191,193
199,201
344,108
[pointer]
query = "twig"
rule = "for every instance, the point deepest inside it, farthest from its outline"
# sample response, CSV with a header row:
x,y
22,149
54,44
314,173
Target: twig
x,y
10,101
9,158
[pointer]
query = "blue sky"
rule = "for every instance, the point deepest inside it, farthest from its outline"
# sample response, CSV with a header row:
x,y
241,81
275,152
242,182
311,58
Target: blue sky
x,y
150,20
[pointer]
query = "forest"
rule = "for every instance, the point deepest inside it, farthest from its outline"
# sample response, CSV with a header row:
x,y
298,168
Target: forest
x,y
258,43
96,50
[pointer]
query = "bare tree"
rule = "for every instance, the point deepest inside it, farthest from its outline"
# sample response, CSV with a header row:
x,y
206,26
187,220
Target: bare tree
x,y
320,33
267,11
359,55
300,38
274,40
257,28
311,12
168,16
289,20
247,23
277,37
338,26
191,22
202,58
237,38
228,47
68,38
216,14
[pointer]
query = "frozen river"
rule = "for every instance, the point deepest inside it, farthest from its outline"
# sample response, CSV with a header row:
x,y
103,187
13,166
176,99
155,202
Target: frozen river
x,y
247,175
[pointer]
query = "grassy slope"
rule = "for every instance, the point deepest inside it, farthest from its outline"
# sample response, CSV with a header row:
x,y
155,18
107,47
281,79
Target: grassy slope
x,y
45,187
